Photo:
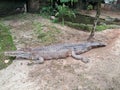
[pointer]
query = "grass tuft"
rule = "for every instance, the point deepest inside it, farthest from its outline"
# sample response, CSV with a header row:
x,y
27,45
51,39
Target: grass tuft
x,y
88,27
46,34
6,43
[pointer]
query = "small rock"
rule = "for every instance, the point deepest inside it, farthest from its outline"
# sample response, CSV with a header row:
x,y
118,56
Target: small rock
x,y
6,61
52,17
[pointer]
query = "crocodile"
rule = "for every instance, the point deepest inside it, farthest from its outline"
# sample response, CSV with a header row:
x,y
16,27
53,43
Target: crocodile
x,y
58,51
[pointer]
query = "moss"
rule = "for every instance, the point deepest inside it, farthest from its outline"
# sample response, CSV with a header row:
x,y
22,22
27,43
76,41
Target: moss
x,y
6,43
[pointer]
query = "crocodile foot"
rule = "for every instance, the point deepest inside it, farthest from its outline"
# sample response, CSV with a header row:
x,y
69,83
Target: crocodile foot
x,y
40,60
85,60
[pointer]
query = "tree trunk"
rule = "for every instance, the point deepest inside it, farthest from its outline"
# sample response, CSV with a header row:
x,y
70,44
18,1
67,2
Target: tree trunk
x,y
79,4
95,21
33,5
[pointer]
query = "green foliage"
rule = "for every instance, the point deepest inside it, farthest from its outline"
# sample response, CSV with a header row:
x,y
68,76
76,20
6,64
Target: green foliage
x,y
90,7
47,10
88,27
46,37
79,26
6,43
63,1
64,11
103,27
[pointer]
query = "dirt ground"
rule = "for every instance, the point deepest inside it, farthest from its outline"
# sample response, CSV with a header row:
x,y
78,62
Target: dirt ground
x,y
101,73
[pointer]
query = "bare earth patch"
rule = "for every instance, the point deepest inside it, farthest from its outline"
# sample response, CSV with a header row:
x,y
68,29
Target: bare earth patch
x,y
102,73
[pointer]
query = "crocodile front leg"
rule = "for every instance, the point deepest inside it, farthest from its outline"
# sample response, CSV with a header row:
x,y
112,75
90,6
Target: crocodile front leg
x,y
79,57
38,60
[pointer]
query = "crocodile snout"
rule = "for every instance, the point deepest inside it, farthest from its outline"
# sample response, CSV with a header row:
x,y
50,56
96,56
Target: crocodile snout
x,y
98,44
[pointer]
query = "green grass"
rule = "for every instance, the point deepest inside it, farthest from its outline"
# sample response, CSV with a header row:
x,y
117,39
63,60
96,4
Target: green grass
x,y
79,26
20,17
46,34
88,27
6,43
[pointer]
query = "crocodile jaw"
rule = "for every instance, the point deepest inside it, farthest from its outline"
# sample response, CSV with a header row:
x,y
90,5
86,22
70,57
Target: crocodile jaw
x,y
97,44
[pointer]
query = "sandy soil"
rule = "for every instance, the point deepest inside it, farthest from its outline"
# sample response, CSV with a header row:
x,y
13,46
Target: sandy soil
x,y
102,73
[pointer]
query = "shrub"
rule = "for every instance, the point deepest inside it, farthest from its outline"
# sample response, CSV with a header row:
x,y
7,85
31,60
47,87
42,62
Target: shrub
x,y
64,11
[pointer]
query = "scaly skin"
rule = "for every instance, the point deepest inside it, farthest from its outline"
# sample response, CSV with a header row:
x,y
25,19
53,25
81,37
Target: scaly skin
x,y
38,55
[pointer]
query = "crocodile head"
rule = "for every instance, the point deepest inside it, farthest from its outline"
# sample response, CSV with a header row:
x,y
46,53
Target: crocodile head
x,y
96,44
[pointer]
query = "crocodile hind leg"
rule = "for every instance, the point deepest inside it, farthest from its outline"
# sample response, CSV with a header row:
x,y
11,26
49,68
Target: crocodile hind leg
x,y
79,57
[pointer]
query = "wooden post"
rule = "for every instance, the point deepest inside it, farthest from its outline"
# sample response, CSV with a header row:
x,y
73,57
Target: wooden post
x,y
33,5
25,8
